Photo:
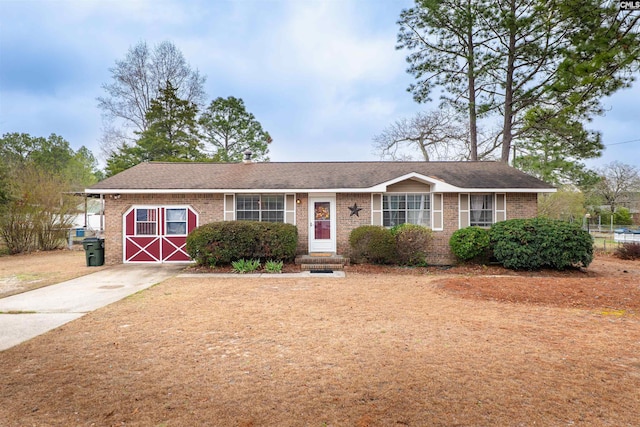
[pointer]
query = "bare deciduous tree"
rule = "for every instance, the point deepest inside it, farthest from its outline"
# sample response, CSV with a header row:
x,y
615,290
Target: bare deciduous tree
x,y
618,182
136,81
436,135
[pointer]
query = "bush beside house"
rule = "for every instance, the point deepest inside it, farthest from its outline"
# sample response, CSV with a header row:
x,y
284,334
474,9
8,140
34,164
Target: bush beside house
x,y
532,244
470,243
412,242
372,243
227,241
405,244
528,244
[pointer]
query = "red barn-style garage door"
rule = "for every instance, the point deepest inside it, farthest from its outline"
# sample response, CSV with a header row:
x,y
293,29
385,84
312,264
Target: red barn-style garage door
x,y
157,233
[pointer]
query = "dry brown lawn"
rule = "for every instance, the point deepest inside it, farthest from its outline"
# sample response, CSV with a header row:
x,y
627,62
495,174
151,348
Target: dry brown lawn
x,y
381,347
20,273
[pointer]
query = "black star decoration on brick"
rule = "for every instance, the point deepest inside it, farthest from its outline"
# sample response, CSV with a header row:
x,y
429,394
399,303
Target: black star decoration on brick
x,y
354,210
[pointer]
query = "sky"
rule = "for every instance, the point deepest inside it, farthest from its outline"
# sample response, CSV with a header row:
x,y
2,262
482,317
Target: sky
x,y
323,77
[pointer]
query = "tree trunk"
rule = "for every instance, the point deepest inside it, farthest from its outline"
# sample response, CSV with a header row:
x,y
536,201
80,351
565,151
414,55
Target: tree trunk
x,y
473,130
423,149
508,93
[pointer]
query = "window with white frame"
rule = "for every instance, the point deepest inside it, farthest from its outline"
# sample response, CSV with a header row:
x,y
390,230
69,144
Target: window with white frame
x,y
400,208
260,207
481,210
176,221
146,221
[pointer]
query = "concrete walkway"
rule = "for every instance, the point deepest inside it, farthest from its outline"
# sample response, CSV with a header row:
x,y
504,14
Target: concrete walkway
x,y
32,313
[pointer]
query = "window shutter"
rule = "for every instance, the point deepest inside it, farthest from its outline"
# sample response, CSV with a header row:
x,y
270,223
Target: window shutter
x,y
229,207
290,208
376,209
501,207
437,223
463,211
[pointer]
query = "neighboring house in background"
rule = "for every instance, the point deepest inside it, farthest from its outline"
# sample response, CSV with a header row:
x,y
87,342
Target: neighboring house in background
x,y
90,216
633,204
150,208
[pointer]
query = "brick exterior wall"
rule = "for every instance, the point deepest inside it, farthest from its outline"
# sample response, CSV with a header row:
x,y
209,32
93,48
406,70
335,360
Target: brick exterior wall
x,y
522,205
210,208
302,219
439,253
347,222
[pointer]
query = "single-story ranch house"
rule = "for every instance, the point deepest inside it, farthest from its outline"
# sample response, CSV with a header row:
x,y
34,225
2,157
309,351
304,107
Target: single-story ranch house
x,y
150,208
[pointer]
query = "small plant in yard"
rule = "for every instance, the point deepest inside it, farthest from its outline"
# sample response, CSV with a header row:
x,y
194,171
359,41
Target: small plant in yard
x,y
628,251
245,266
273,266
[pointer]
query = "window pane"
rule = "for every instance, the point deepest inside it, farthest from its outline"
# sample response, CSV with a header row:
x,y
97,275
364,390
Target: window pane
x,y
141,214
176,214
273,216
272,207
481,212
400,208
145,214
247,202
273,202
146,222
253,207
248,216
414,201
248,207
322,230
391,218
176,221
419,218
176,228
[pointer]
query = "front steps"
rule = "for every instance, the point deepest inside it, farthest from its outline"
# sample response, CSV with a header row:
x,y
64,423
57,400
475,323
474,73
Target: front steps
x,y
321,262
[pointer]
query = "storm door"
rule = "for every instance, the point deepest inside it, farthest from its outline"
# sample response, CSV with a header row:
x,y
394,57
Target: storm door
x,y
322,224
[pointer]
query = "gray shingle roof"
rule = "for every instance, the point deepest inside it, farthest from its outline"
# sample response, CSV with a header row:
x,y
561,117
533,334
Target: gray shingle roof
x,y
312,176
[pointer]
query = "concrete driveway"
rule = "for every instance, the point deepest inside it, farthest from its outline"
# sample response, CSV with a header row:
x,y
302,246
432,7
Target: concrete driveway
x,y
32,313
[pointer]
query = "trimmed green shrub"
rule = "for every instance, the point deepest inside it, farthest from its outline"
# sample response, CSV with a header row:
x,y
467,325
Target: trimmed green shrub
x,y
278,241
628,251
223,242
532,244
374,244
412,243
469,243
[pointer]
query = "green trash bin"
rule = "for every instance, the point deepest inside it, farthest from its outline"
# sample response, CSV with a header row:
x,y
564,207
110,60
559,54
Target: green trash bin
x,y
94,251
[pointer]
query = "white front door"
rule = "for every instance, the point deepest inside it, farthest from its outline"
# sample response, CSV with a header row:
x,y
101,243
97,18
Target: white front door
x,y
322,224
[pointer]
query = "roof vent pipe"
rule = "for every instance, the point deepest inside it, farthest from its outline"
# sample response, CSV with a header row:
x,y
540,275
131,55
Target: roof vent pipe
x,y
247,156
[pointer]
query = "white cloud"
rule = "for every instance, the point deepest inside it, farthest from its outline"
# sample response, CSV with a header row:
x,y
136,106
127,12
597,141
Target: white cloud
x,y
325,40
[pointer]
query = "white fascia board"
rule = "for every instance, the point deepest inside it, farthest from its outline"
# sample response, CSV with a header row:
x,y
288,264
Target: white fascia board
x,y
439,186
506,190
436,187
227,191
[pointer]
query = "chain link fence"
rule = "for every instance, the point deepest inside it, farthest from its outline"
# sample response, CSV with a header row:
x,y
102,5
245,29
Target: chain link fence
x,y
607,238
